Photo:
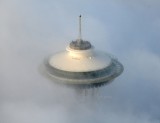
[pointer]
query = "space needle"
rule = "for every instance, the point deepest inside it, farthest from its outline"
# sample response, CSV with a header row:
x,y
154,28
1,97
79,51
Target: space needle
x,y
81,65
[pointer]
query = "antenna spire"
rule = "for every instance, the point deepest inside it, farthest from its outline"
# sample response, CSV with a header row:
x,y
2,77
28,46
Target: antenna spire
x,y
80,33
80,44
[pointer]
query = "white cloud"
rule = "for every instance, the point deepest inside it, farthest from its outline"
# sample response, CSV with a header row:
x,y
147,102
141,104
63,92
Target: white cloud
x,y
31,30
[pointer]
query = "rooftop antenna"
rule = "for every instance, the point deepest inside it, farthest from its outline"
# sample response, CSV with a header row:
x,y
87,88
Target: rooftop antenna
x,y
80,33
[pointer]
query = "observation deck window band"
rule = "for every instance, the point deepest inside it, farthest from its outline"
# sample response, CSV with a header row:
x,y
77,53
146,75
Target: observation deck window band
x,y
108,71
78,75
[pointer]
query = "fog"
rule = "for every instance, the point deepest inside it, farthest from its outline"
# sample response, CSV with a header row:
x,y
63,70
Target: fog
x,y
30,30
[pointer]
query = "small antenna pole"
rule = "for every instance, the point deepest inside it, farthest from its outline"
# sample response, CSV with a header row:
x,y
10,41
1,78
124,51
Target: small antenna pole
x,y
80,33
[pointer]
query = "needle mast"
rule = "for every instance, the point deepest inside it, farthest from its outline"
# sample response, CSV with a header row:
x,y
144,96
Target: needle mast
x,y
80,33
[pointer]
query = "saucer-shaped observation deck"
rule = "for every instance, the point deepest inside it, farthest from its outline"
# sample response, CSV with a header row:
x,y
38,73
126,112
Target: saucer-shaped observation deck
x,y
81,65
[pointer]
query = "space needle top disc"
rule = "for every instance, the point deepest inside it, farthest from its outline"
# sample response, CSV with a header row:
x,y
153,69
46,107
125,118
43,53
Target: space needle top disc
x,y
81,64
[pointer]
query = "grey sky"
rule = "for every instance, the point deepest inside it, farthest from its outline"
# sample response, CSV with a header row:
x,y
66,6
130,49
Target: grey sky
x,y
30,30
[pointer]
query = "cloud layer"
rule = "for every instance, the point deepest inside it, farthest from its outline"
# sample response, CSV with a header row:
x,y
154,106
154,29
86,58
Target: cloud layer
x,y
32,30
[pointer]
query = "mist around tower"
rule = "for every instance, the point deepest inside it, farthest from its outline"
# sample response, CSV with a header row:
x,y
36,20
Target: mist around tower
x,y
82,67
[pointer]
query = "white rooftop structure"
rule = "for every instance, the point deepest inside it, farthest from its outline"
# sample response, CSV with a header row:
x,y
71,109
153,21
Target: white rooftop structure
x,y
81,65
